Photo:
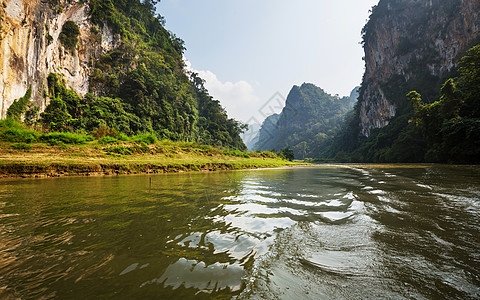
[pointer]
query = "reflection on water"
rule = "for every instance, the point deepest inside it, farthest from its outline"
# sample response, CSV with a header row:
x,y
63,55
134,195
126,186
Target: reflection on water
x,y
193,274
317,232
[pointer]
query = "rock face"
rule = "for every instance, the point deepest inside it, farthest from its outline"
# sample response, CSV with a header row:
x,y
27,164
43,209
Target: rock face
x,y
30,48
250,137
267,134
412,40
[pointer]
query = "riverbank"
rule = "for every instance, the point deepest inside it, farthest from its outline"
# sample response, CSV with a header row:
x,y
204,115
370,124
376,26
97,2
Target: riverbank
x,y
121,158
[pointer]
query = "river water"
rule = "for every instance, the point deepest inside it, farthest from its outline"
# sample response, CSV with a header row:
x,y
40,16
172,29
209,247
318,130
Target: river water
x,y
325,232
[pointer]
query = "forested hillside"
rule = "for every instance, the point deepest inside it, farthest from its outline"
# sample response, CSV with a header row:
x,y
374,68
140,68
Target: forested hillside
x,y
138,86
307,123
446,130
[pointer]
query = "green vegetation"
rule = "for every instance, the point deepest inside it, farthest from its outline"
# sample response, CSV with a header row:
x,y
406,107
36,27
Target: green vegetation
x,y
287,153
69,35
451,125
144,112
18,107
65,138
27,152
22,146
215,128
12,131
446,130
145,138
48,36
140,87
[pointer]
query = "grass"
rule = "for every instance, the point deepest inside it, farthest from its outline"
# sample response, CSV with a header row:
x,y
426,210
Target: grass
x,y
27,153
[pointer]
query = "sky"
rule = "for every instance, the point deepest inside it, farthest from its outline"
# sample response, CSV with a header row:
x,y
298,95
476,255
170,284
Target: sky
x,y
252,52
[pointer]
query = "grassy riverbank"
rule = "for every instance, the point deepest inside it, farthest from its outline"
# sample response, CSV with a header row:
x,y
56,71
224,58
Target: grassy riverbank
x,y
96,159
28,153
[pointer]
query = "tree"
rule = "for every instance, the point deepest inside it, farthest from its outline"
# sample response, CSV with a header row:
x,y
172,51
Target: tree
x,y
469,82
287,153
451,100
56,117
451,125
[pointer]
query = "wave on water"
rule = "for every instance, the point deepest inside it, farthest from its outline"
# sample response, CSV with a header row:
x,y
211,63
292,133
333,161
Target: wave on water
x,y
306,254
303,262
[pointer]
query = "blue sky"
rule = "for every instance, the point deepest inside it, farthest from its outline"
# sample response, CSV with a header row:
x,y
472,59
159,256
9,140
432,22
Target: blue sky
x,y
251,50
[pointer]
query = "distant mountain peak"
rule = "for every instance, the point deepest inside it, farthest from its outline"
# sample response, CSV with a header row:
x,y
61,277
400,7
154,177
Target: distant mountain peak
x,y
306,123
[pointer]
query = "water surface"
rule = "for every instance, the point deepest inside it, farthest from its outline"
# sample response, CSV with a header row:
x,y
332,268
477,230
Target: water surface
x,y
328,232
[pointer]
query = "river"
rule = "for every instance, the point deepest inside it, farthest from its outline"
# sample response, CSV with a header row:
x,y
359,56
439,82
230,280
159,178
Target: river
x,y
320,232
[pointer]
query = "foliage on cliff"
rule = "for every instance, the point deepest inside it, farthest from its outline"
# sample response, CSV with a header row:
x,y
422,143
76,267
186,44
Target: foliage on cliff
x,y
308,122
18,107
409,45
451,125
447,130
69,35
141,85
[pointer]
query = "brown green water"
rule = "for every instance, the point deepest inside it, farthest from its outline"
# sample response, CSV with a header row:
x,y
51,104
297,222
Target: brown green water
x,y
300,233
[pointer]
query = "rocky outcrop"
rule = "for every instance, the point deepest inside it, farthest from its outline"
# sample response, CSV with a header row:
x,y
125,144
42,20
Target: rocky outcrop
x,y
267,134
30,48
250,137
417,41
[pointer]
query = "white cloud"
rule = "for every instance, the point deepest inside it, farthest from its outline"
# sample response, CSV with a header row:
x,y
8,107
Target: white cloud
x,y
238,98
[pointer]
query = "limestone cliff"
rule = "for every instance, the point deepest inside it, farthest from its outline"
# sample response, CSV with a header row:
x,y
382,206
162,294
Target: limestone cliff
x,y
250,137
30,48
413,44
267,134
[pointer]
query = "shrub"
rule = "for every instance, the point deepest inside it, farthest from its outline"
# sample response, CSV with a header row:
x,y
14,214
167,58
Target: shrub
x,y
32,115
65,137
22,146
122,150
233,153
10,123
268,154
56,116
122,137
142,148
55,142
18,107
147,138
19,135
107,140
287,154
69,35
